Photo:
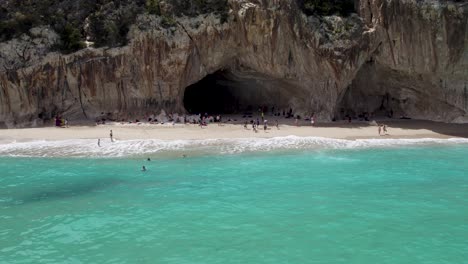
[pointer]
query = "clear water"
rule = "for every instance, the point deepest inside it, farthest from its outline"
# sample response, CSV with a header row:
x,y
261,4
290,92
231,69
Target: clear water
x,y
388,205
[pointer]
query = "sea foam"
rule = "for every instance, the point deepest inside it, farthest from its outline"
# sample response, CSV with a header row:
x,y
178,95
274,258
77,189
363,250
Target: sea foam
x,y
123,148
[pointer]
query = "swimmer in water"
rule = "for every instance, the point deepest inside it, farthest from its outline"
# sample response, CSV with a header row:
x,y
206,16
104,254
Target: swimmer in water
x,y
148,159
143,168
184,156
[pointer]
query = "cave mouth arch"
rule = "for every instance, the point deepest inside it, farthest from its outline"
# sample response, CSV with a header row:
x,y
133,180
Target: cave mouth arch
x,y
216,93
231,92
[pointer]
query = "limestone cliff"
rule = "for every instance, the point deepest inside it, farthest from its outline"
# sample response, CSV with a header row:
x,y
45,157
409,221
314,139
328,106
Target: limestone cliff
x,y
420,68
405,55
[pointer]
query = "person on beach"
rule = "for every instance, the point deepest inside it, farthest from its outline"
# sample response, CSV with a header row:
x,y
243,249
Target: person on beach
x,y
245,125
202,121
258,122
277,124
66,122
111,136
143,168
265,125
99,142
312,120
385,129
254,128
296,121
380,130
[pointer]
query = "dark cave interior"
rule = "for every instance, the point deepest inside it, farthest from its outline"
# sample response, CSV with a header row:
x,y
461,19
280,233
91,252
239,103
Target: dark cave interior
x,y
214,94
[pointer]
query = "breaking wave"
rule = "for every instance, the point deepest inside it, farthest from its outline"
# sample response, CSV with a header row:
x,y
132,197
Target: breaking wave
x,y
89,148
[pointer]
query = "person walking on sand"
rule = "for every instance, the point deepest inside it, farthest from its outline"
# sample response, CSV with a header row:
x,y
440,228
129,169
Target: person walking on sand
x,y
277,124
380,130
111,136
245,125
265,125
385,129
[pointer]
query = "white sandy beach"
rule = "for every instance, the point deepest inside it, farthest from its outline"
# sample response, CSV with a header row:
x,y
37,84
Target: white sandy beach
x,y
233,130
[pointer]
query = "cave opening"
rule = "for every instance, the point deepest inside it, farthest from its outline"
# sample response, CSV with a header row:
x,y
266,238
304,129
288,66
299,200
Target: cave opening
x,y
217,93
238,92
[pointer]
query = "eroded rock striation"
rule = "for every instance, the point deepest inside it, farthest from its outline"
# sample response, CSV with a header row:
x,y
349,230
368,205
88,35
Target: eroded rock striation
x,y
409,57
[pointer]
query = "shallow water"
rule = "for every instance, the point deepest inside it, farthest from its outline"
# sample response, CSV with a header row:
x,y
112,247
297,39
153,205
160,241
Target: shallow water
x,y
366,205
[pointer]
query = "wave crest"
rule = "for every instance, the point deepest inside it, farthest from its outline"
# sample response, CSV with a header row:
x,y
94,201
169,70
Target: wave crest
x,y
89,147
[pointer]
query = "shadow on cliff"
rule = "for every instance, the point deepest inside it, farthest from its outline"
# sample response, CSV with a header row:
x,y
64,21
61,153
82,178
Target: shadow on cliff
x,y
447,129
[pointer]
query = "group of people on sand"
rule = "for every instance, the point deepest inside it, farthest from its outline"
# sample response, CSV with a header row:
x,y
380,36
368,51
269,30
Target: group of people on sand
x,y
61,122
383,130
256,124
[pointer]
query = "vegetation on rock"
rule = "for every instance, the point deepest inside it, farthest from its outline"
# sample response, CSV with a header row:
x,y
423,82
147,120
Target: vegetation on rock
x,y
103,22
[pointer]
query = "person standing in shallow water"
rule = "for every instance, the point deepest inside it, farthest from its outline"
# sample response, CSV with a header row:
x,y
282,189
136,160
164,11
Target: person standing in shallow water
x,y
99,142
111,135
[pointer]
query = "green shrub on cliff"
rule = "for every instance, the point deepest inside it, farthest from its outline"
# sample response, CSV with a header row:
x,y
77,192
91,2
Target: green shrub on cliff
x,y
17,24
104,22
152,6
71,39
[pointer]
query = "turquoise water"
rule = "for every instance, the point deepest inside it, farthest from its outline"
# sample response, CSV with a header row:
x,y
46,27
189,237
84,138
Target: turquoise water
x,y
394,205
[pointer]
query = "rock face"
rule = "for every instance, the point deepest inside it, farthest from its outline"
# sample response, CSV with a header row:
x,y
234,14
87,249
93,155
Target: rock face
x,y
420,68
405,56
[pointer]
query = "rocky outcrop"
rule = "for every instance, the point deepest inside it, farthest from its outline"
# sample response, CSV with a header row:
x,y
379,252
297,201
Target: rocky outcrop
x,y
407,56
420,68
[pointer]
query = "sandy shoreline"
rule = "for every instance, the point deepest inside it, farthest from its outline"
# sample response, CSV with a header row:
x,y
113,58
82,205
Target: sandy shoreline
x,y
406,129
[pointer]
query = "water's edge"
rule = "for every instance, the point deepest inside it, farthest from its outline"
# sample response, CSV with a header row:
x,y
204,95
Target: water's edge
x,y
126,148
